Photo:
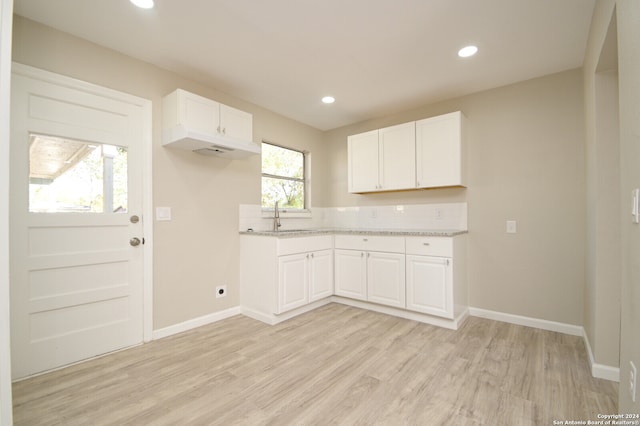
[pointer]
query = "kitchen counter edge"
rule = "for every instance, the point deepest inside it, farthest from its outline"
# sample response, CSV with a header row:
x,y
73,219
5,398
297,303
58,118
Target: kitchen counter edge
x,y
379,232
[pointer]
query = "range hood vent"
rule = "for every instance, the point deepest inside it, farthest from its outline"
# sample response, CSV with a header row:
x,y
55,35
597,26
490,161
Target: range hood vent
x,y
208,144
213,150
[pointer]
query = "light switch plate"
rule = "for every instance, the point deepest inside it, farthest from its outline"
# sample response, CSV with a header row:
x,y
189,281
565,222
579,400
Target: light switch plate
x,y
163,213
635,205
511,227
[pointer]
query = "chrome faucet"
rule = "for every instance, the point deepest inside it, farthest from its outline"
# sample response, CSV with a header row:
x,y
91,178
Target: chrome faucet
x,y
276,218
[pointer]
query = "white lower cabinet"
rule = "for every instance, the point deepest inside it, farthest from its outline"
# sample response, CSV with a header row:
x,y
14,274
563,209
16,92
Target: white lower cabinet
x,y
425,275
351,274
385,279
429,285
320,274
304,278
278,275
374,276
293,281
436,275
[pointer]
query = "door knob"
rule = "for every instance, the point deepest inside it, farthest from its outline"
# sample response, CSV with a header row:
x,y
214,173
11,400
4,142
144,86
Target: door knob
x,y
135,241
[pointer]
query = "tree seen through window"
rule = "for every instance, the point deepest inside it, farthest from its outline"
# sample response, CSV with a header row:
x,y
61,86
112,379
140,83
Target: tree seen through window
x,y
283,177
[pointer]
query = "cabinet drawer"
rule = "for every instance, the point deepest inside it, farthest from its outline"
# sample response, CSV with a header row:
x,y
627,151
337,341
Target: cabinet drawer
x,y
430,246
370,243
304,244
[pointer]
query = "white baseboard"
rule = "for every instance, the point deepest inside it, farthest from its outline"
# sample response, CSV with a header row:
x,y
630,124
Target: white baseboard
x,y
599,371
195,322
452,324
574,330
273,319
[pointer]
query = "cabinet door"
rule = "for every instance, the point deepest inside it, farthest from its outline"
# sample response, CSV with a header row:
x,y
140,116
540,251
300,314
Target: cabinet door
x,y
320,275
363,162
439,151
429,285
198,113
350,274
397,146
386,279
236,124
293,282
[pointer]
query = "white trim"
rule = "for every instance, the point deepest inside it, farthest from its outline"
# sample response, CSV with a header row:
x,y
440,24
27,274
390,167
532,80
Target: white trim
x,y
6,22
195,323
599,371
574,330
147,219
452,324
276,319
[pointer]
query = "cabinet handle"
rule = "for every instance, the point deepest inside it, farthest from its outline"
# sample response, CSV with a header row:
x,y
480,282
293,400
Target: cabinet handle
x,y
426,244
218,129
361,254
365,239
447,262
312,255
224,130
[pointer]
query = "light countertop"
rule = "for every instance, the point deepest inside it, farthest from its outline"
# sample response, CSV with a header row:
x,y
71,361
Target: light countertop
x,y
288,233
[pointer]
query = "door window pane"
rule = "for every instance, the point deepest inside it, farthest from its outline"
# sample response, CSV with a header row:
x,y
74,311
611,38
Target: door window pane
x,y
68,175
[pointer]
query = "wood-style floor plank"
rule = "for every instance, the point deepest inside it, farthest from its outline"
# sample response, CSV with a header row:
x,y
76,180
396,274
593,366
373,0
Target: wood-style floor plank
x,y
335,365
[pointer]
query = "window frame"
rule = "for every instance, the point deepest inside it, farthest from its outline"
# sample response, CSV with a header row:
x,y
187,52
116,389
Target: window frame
x,y
267,211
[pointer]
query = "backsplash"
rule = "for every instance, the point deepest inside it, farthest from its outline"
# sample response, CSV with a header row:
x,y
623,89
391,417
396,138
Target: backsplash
x,y
446,216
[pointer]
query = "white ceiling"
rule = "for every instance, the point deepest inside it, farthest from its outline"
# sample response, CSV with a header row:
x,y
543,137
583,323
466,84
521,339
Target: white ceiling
x,y
376,57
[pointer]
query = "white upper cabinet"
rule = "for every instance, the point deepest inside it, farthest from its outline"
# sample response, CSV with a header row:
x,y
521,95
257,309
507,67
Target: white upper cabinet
x,y
382,160
194,112
363,162
440,151
398,155
429,153
202,125
235,124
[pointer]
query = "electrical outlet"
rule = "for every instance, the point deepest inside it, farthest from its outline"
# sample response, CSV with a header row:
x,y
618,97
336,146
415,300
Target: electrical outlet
x,y
511,227
221,291
633,380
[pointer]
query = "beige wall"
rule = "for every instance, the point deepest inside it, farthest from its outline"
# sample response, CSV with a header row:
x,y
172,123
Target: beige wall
x,y
525,162
198,250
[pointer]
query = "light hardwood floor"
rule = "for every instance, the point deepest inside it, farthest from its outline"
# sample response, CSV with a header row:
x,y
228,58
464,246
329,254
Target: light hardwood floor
x,y
335,365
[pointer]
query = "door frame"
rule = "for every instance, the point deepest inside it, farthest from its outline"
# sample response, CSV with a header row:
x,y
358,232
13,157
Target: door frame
x,y
6,23
147,190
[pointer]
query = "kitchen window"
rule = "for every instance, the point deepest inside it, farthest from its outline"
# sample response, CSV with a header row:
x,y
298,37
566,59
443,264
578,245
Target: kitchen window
x,y
283,178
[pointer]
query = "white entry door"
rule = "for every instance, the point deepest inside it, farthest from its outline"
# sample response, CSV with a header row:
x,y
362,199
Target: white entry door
x,y
77,244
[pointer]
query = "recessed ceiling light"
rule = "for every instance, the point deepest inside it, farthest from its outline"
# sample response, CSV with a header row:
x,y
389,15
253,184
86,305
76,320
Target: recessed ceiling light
x,y
143,4
467,51
328,99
